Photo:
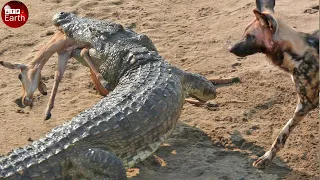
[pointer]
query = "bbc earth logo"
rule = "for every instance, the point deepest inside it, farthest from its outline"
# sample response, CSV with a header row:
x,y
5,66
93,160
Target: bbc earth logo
x,y
14,14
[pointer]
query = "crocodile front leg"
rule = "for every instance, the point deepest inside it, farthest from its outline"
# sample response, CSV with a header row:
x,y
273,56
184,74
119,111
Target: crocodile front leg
x,y
203,84
196,86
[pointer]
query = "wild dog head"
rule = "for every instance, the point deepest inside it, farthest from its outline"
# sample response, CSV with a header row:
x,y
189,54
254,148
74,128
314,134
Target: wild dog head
x,y
30,79
260,34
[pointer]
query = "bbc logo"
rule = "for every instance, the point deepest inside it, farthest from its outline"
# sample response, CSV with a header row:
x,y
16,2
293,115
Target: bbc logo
x,y
12,11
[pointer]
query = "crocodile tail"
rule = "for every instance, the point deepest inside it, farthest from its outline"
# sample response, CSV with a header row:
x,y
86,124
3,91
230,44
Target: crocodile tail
x,y
41,159
196,85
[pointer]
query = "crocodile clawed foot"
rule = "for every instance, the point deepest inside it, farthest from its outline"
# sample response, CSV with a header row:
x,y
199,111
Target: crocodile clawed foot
x,y
200,103
224,81
195,102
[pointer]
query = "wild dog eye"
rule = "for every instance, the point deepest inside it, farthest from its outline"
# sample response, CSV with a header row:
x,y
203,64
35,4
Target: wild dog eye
x,y
20,77
251,37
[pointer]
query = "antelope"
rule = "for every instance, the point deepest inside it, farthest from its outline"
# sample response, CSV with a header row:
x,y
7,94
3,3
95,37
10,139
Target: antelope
x,y
30,74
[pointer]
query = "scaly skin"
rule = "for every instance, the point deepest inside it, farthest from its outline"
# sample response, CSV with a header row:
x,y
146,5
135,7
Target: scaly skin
x,y
122,129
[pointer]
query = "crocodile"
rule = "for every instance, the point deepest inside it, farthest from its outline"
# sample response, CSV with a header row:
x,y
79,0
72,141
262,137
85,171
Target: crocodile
x,y
123,128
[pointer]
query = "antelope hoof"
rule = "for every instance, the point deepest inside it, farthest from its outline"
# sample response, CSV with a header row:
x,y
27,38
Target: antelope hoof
x,y
48,116
27,101
106,85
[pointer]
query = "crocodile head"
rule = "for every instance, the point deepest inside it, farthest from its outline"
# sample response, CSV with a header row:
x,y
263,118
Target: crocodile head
x,y
65,21
84,30
72,26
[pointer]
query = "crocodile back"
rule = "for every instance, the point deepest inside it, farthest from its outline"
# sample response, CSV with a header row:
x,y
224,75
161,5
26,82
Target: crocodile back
x,y
140,113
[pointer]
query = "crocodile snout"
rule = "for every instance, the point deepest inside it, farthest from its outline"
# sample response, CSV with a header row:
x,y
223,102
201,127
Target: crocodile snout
x,y
60,18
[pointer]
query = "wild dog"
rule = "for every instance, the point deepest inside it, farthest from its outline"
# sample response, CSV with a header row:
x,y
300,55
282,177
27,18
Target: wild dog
x,y
294,52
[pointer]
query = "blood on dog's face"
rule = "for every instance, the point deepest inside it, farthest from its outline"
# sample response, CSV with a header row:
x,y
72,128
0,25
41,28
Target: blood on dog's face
x,y
258,36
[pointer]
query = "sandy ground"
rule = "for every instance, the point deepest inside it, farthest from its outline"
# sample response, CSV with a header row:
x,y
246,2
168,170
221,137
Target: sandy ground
x,y
209,143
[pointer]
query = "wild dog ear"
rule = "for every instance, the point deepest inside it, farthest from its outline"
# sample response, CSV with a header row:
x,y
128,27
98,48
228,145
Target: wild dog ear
x,y
265,5
267,20
12,66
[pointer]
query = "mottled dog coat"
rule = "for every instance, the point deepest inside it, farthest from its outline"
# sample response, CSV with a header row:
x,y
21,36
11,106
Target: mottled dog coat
x,y
294,52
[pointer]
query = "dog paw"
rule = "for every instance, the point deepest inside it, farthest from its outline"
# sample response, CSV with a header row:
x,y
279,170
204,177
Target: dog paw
x,y
264,161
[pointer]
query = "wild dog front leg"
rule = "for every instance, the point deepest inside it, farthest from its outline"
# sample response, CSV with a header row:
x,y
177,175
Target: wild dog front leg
x,y
63,58
102,86
301,111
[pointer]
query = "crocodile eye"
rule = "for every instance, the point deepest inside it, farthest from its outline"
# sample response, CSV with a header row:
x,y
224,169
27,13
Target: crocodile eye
x,y
20,77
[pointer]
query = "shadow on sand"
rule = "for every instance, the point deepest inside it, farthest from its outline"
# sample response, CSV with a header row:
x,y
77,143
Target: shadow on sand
x,y
190,154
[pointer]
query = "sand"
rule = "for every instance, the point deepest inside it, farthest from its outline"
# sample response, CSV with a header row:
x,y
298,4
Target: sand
x,y
209,143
